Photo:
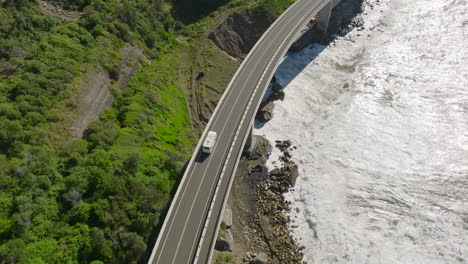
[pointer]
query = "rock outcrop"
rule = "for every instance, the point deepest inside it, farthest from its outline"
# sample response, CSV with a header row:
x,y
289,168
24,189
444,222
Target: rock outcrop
x,y
265,112
284,177
96,95
343,18
236,36
260,226
261,258
54,9
277,92
271,207
225,241
227,217
6,67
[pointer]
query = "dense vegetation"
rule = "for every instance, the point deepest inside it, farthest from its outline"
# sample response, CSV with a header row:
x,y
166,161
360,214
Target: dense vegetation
x,y
98,199
79,201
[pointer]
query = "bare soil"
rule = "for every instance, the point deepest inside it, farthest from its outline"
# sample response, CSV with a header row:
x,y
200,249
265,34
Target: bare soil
x,y
131,57
96,95
55,10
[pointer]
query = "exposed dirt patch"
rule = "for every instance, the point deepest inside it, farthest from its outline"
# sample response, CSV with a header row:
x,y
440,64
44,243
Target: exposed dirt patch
x,y
211,71
96,95
131,57
57,11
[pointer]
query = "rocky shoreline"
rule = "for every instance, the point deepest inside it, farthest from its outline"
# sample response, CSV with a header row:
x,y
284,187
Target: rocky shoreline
x,y
255,226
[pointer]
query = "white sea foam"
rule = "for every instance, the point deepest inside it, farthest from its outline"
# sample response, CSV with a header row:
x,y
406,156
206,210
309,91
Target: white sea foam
x,y
380,119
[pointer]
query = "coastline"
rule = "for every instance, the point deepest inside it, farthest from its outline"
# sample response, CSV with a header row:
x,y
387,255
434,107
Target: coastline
x,y
256,224
367,113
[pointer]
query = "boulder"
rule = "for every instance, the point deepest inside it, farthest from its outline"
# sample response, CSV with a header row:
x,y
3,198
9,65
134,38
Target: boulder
x,y
283,145
225,242
227,217
254,154
265,113
277,93
286,175
276,87
258,174
261,149
258,168
293,174
261,258
200,75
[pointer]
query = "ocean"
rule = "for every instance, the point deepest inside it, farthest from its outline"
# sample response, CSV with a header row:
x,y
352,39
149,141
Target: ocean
x,y
380,119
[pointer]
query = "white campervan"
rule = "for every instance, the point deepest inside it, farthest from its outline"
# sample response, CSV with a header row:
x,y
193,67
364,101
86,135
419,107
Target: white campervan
x,y
210,141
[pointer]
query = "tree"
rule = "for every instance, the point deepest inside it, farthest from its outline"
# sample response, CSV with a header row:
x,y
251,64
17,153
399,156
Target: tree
x,y
101,134
130,165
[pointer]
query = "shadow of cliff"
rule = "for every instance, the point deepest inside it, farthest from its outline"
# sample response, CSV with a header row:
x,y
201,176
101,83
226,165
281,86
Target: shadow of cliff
x,y
292,65
190,11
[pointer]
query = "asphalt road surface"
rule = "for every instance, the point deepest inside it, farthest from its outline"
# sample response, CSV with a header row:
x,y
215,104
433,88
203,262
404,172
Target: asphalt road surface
x,y
190,228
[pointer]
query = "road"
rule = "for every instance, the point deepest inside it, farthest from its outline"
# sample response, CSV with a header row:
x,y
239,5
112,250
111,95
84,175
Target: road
x,y
189,231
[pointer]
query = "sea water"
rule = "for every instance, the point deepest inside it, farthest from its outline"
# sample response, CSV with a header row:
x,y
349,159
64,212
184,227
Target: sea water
x,y
380,119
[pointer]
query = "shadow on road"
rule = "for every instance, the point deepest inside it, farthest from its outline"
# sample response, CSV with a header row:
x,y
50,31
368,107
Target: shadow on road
x,y
201,157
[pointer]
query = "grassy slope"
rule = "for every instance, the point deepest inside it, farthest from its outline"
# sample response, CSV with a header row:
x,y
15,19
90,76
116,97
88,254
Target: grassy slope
x,y
100,198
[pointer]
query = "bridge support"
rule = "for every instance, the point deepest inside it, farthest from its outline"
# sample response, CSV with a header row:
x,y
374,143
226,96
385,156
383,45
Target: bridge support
x,y
250,142
323,16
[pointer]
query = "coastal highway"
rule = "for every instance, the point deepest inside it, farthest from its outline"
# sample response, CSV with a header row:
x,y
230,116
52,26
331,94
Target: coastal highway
x,y
190,228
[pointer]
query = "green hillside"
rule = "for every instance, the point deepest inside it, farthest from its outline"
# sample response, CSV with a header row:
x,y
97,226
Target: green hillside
x,y
101,198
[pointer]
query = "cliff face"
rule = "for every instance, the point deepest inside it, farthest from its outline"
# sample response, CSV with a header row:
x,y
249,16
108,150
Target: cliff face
x,y
237,35
241,30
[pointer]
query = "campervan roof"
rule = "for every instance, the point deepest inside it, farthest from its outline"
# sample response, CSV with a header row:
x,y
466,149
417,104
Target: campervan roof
x,y
210,139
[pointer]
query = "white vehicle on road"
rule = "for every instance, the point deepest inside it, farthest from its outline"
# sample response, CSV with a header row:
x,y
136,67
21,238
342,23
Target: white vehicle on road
x,y
210,141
